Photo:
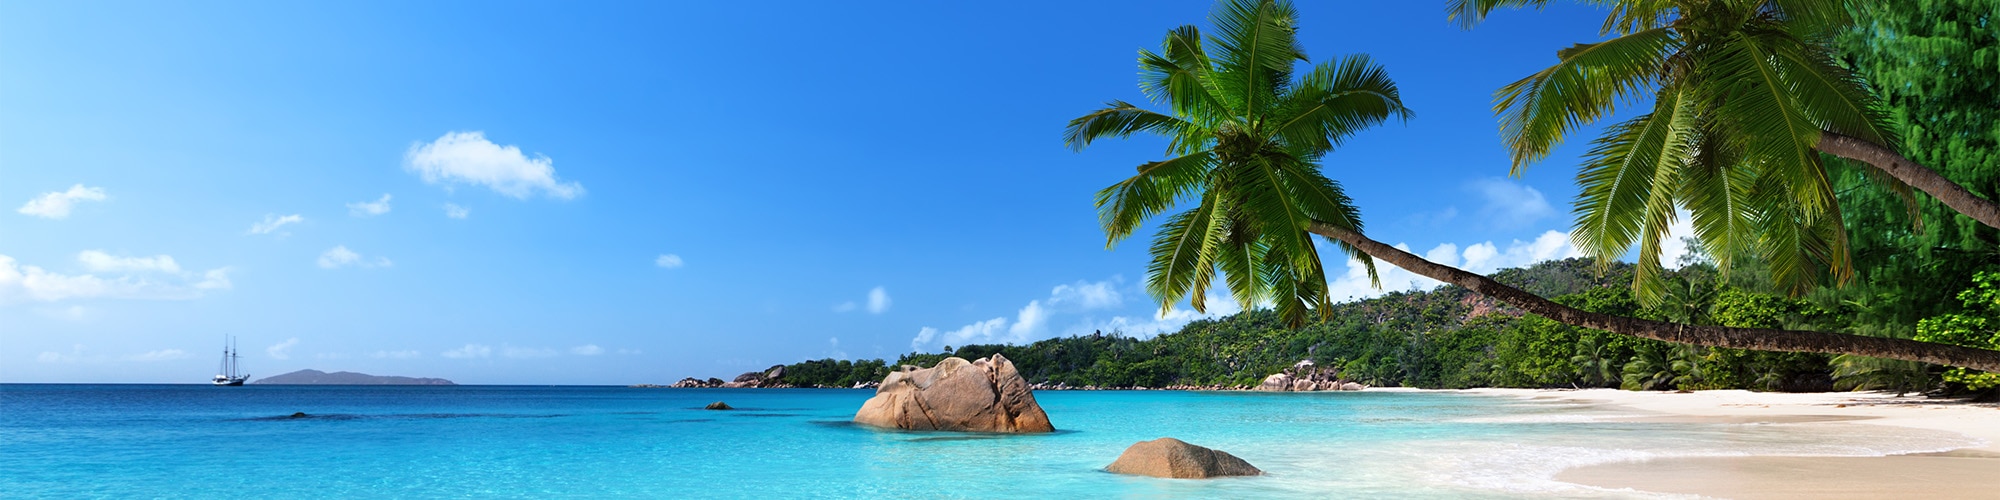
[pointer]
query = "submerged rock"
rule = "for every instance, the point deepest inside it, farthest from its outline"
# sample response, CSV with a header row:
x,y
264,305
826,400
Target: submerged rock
x,y
718,405
956,395
1172,458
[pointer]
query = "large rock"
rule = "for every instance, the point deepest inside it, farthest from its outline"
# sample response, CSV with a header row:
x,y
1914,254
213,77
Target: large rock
x,y
956,395
1174,458
766,378
1276,382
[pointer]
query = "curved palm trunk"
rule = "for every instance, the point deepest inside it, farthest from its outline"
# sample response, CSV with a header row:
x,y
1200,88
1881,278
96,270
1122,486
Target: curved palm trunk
x,y
1950,193
1713,336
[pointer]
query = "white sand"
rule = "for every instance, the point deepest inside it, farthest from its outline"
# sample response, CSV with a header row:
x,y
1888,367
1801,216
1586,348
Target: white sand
x,y
1966,473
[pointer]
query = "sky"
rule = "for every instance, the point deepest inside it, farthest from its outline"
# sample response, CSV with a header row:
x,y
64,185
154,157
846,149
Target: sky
x,y
634,192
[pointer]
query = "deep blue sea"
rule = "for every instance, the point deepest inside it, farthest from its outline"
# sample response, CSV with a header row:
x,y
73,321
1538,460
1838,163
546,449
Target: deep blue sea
x,y
190,441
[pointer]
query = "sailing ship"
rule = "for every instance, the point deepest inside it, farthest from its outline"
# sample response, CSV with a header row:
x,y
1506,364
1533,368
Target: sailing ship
x,y
229,377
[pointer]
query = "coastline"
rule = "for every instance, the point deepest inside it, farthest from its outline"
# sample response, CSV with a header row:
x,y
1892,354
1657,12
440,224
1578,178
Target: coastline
x,y
1967,472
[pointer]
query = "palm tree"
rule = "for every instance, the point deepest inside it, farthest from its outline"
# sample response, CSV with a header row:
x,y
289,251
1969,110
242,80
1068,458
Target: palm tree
x,y
1745,95
1245,141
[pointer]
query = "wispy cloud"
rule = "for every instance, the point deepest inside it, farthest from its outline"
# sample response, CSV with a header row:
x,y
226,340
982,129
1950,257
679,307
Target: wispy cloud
x,y
1482,258
156,278
878,300
98,261
160,355
1031,321
57,205
468,158
470,351
586,350
282,350
370,208
527,352
273,221
396,354
1511,204
339,256
454,211
668,261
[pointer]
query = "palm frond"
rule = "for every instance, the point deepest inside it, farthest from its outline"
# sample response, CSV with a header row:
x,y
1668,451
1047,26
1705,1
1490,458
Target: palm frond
x,y
1159,185
1538,111
1182,76
1468,13
1621,185
1716,191
1335,100
1184,253
1255,43
1120,119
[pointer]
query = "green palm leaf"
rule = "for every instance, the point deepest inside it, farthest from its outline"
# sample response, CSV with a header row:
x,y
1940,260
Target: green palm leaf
x,y
1538,111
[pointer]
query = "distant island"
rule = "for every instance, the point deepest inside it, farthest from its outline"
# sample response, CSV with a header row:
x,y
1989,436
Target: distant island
x,y
316,377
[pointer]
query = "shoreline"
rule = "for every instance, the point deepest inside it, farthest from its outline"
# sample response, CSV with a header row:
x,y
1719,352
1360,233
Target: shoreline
x,y
1965,472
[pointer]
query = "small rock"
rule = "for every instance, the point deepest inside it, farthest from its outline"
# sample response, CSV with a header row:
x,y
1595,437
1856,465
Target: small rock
x,y
718,405
1172,458
299,415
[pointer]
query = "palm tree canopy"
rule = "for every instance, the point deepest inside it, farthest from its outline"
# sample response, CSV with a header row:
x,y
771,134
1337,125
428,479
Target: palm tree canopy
x,y
1246,136
1741,93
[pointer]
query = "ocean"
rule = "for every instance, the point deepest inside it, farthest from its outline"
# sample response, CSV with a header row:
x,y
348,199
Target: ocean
x,y
189,441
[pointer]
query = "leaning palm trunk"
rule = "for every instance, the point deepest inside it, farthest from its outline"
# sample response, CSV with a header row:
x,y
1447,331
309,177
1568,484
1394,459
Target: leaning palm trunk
x,y
1762,339
1950,193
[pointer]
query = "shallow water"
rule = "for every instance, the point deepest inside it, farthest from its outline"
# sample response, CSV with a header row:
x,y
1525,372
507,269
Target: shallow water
x,y
511,441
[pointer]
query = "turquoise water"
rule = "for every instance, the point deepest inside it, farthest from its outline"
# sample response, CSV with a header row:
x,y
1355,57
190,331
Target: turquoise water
x,y
67,441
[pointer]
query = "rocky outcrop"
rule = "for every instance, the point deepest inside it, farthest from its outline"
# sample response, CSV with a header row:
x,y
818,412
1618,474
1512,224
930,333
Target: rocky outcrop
x,y
691,383
1305,376
718,405
956,395
768,378
1173,458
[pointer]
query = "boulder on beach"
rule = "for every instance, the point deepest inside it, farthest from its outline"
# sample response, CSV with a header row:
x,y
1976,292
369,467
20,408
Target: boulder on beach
x,y
1276,382
1173,458
956,395
718,405
766,378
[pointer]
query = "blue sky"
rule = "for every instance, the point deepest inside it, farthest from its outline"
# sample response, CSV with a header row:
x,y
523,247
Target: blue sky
x,y
612,193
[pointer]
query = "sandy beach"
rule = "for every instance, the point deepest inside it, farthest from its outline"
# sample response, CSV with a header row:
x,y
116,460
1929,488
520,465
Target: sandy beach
x,y
1971,472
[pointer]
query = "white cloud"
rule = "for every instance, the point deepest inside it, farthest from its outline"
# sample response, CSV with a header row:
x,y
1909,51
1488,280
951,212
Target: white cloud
x,y
1510,204
282,350
22,282
75,355
369,208
586,350
469,351
339,256
454,211
468,158
396,355
160,355
272,222
848,306
984,332
102,262
526,352
56,205
1086,295
1481,258
1032,320
215,279
1675,246
878,300
669,261
1169,320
